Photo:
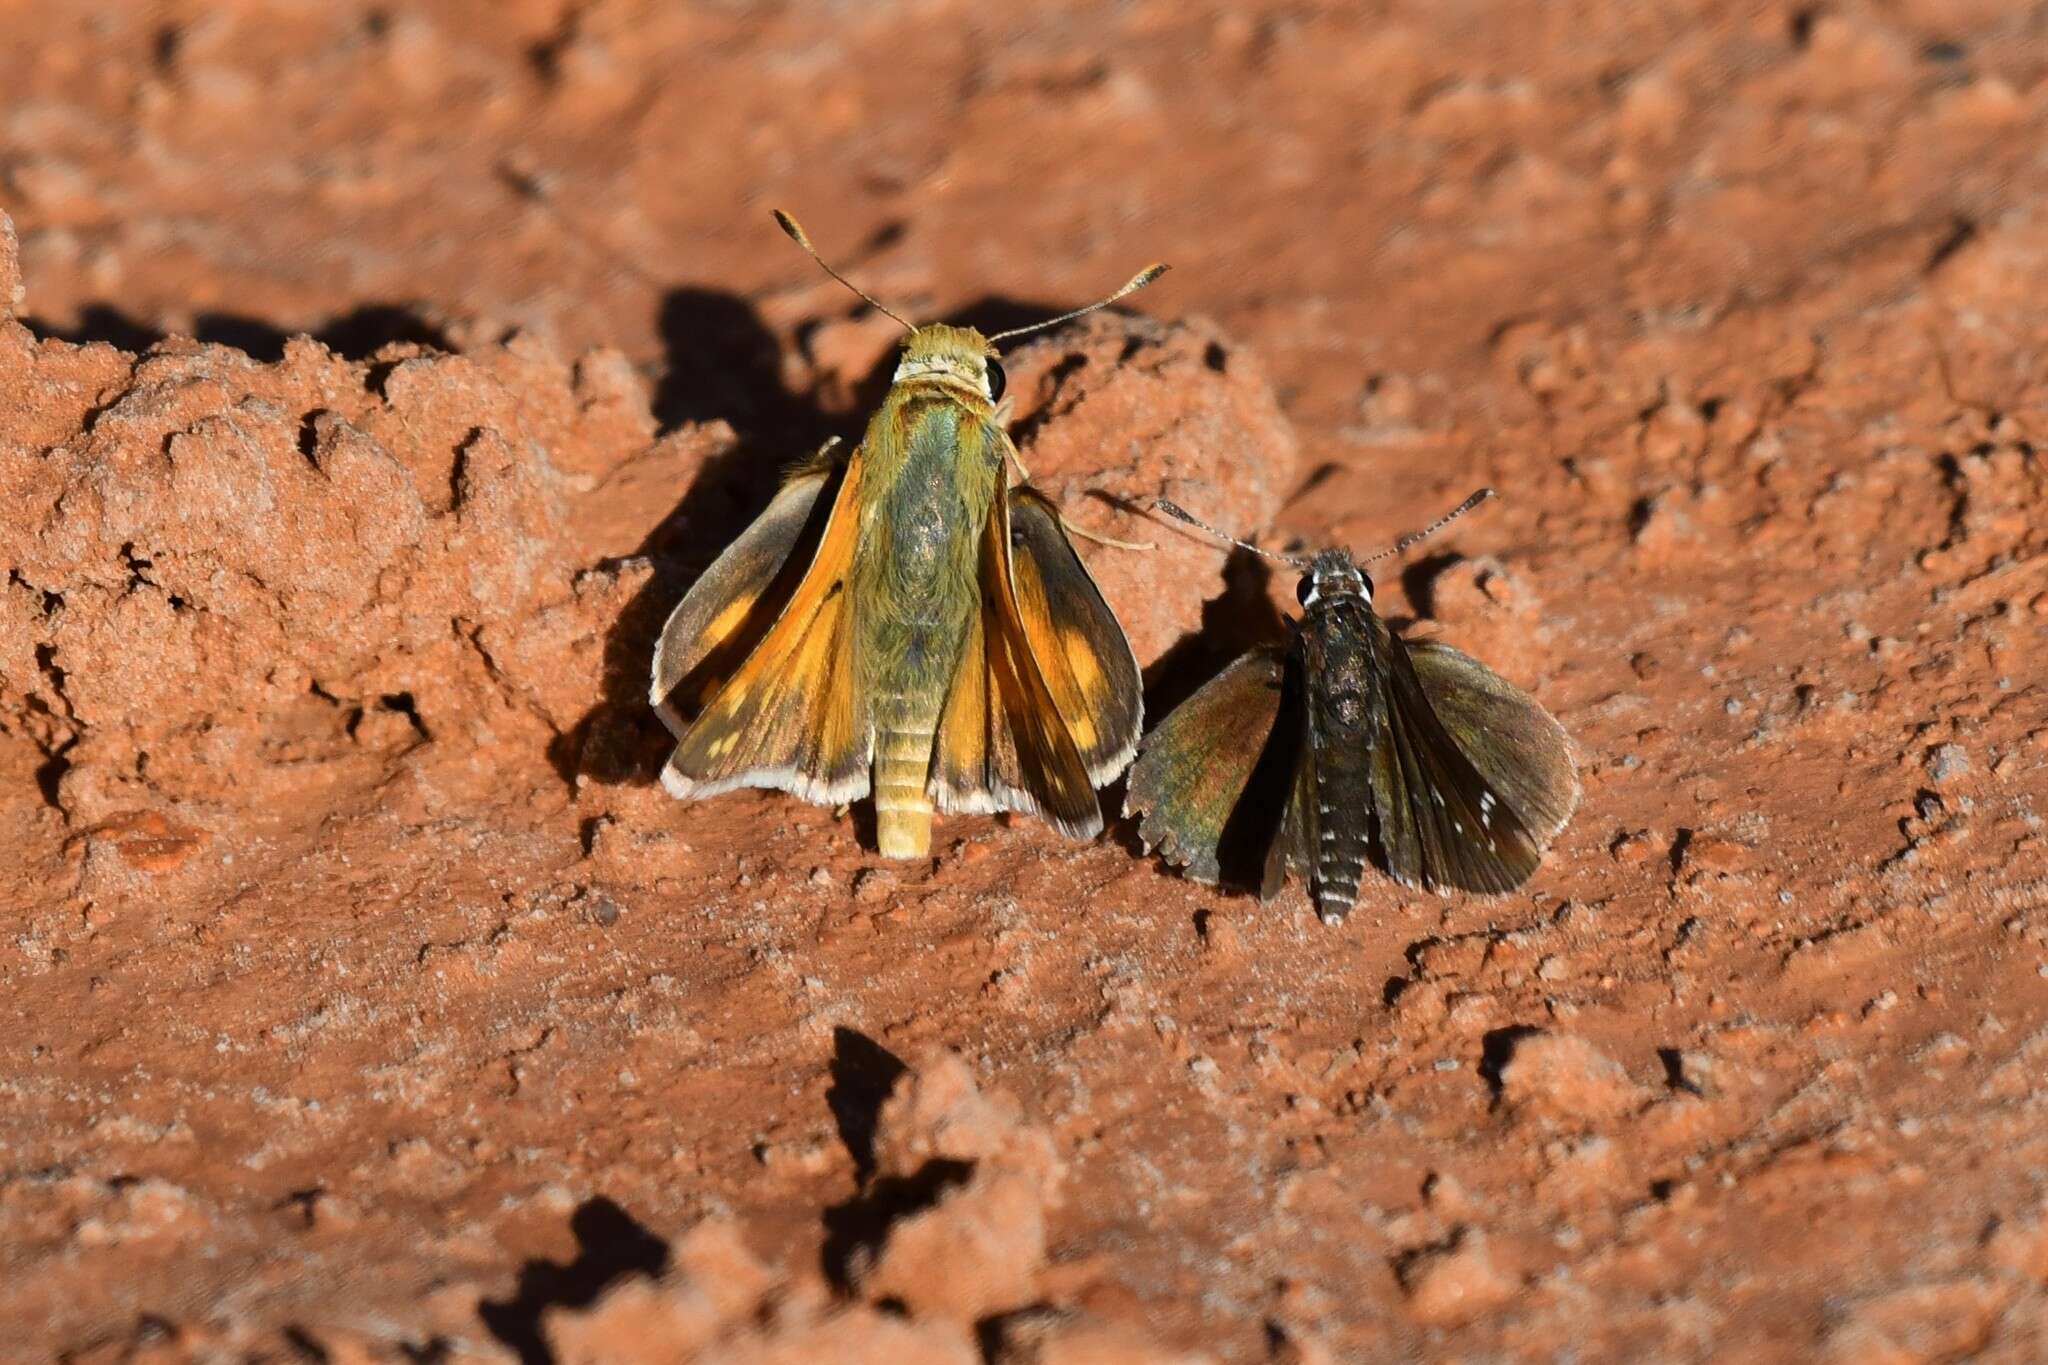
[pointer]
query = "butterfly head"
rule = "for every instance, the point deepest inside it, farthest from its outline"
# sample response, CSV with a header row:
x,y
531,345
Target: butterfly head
x,y
952,355
1333,574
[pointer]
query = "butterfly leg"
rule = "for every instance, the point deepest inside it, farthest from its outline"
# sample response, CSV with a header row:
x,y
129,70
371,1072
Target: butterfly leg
x,y
1071,529
1100,539
820,460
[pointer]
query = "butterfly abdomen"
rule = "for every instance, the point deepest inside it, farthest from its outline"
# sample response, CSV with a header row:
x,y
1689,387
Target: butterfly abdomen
x,y
903,759
1343,697
1341,838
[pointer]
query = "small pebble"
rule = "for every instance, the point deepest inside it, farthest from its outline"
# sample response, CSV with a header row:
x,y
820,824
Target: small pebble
x,y
1946,762
1631,847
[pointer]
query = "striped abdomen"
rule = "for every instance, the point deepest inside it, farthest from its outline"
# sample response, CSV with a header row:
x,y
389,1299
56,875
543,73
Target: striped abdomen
x,y
1342,705
903,758
1342,793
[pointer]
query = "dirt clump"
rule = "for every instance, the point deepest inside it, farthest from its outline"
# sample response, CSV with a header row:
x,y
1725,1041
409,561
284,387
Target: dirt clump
x,y
1561,1077
966,1189
718,1304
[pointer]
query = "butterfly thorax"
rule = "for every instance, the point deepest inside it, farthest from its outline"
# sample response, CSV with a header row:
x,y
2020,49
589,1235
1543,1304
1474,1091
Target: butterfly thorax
x,y
932,472
933,457
1337,634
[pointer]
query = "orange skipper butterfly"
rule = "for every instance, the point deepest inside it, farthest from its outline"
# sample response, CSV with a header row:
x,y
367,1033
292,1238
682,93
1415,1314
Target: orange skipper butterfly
x,y
907,623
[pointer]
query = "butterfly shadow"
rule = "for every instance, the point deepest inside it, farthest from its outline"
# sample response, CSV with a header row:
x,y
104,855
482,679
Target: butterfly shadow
x,y
1418,582
723,363
610,1245
1239,618
863,1075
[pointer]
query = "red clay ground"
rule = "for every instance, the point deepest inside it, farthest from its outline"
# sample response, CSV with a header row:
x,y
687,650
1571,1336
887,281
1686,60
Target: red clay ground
x,y
364,1001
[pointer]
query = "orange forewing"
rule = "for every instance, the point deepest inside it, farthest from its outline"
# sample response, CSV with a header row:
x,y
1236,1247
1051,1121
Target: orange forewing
x,y
1003,743
1081,651
732,606
790,716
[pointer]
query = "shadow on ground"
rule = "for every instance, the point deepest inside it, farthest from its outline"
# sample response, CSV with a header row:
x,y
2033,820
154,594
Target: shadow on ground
x,y
610,1244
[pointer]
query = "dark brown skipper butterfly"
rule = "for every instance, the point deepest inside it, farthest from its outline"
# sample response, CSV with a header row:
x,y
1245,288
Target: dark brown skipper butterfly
x,y
1349,744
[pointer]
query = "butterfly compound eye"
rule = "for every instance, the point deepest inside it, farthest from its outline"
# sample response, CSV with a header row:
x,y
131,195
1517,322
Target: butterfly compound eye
x,y
1305,589
995,380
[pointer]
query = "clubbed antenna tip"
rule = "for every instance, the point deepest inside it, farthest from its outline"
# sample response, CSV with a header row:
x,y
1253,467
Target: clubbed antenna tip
x,y
1179,513
1131,286
1416,537
797,234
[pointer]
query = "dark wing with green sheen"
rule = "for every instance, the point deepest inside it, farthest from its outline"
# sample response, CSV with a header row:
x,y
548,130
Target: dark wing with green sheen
x,y
1215,779
1517,746
1471,778
1081,650
727,611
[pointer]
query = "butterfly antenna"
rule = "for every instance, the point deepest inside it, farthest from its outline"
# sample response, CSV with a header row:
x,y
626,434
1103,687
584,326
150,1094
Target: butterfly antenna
x,y
796,234
1131,286
1180,513
1402,545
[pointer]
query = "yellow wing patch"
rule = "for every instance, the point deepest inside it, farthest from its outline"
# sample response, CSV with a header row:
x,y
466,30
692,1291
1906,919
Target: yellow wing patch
x,y
731,607
727,621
